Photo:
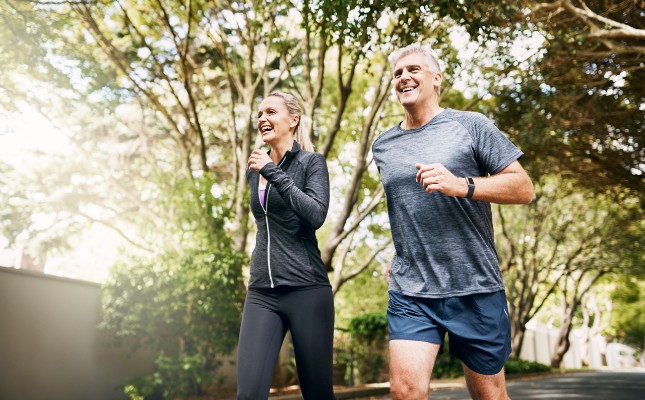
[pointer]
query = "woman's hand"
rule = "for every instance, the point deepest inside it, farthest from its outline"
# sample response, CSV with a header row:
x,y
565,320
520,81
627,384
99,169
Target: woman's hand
x,y
258,160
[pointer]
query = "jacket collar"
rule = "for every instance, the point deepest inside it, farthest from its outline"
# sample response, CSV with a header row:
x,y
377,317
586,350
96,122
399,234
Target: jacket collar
x,y
296,147
290,153
294,150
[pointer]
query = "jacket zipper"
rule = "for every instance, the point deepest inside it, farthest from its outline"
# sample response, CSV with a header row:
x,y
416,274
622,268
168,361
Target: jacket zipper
x,y
266,220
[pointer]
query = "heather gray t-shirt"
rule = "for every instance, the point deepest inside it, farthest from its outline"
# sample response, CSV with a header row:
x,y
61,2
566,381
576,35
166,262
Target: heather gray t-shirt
x,y
444,245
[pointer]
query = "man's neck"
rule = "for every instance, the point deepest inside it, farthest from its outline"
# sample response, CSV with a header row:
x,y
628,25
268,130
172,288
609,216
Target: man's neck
x,y
419,116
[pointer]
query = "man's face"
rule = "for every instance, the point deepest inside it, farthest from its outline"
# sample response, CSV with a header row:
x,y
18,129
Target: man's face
x,y
414,82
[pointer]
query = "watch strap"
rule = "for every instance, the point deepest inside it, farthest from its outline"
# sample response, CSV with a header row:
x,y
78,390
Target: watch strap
x,y
471,187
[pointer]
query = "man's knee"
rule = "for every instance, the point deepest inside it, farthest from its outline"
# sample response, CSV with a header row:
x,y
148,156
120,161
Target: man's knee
x,y
486,387
407,390
404,393
411,364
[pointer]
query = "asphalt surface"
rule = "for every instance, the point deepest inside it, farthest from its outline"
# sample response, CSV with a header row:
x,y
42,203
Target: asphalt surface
x,y
601,385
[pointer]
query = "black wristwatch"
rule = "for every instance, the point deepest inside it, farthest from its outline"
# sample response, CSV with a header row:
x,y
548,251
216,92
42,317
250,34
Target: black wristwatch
x,y
471,188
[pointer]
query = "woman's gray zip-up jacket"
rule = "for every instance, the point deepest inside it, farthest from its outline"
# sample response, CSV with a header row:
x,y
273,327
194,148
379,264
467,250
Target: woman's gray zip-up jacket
x,y
295,205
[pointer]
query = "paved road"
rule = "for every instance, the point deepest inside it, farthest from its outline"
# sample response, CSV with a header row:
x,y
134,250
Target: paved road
x,y
600,385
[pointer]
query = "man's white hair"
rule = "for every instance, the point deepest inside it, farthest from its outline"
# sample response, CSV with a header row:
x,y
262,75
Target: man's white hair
x,y
423,49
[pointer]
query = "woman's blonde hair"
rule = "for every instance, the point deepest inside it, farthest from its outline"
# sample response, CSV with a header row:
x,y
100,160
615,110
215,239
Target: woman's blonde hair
x,y
294,108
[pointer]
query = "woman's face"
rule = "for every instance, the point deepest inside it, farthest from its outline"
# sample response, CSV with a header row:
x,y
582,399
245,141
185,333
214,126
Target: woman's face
x,y
274,122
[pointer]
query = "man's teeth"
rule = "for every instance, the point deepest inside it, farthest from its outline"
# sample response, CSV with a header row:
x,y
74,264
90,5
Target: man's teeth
x,y
266,128
407,89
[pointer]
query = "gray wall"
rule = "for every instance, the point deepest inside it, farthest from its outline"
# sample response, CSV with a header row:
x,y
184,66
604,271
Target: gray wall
x,y
50,347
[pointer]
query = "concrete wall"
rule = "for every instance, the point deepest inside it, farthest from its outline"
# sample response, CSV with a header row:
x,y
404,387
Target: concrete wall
x,y
50,347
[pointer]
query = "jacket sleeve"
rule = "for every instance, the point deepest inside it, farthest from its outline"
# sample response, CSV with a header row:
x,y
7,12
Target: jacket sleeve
x,y
310,204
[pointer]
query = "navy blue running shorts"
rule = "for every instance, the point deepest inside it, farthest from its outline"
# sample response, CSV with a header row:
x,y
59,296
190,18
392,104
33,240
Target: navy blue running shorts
x,y
478,326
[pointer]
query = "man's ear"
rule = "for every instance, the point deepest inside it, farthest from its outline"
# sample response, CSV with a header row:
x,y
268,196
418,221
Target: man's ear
x,y
437,79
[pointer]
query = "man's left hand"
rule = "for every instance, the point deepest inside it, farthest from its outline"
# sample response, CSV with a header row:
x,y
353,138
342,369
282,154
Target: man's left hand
x,y
436,177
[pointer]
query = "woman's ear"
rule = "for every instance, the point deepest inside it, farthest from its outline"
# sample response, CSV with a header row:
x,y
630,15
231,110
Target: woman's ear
x,y
294,121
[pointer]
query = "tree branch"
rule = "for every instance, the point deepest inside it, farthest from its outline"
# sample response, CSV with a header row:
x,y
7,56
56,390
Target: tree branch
x,y
339,283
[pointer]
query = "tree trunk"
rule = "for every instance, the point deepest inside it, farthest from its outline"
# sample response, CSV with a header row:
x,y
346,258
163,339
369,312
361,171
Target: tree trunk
x,y
517,341
563,343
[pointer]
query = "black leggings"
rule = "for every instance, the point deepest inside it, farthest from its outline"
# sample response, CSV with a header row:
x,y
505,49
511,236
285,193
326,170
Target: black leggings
x,y
308,312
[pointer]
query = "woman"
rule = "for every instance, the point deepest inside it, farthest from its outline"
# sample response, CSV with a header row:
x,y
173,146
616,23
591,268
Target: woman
x,y
288,288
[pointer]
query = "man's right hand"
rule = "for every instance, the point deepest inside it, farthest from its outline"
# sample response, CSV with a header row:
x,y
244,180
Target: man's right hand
x,y
388,271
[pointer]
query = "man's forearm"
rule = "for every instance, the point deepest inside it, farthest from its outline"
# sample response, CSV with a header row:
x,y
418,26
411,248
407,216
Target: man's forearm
x,y
511,186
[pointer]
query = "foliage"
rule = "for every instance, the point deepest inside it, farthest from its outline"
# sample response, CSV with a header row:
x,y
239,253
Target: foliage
x,y
575,107
446,365
175,376
561,243
157,96
515,366
369,327
177,84
628,319
184,305
368,334
365,294
34,29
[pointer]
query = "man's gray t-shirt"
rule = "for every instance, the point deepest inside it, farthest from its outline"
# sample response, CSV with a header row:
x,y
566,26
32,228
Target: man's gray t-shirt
x,y
444,245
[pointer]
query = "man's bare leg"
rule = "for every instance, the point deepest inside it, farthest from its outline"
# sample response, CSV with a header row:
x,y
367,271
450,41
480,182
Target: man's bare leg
x,y
486,387
411,365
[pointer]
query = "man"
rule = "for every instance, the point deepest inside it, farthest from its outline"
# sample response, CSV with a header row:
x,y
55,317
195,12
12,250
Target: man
x,y
441,169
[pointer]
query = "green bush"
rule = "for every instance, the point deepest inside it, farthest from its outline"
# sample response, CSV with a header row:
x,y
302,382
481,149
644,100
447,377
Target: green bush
x,y
516,366
183,302
369,327
368,334
174,376
447,366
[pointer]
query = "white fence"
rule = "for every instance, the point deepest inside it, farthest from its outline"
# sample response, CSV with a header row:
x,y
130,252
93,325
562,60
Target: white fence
x,y
540,342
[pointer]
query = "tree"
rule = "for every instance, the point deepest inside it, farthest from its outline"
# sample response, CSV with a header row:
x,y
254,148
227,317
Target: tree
x,y
30,26
611,28
627,319
193,72
159,91
595,310
576,105
184,305
560,245
158,101
574,289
